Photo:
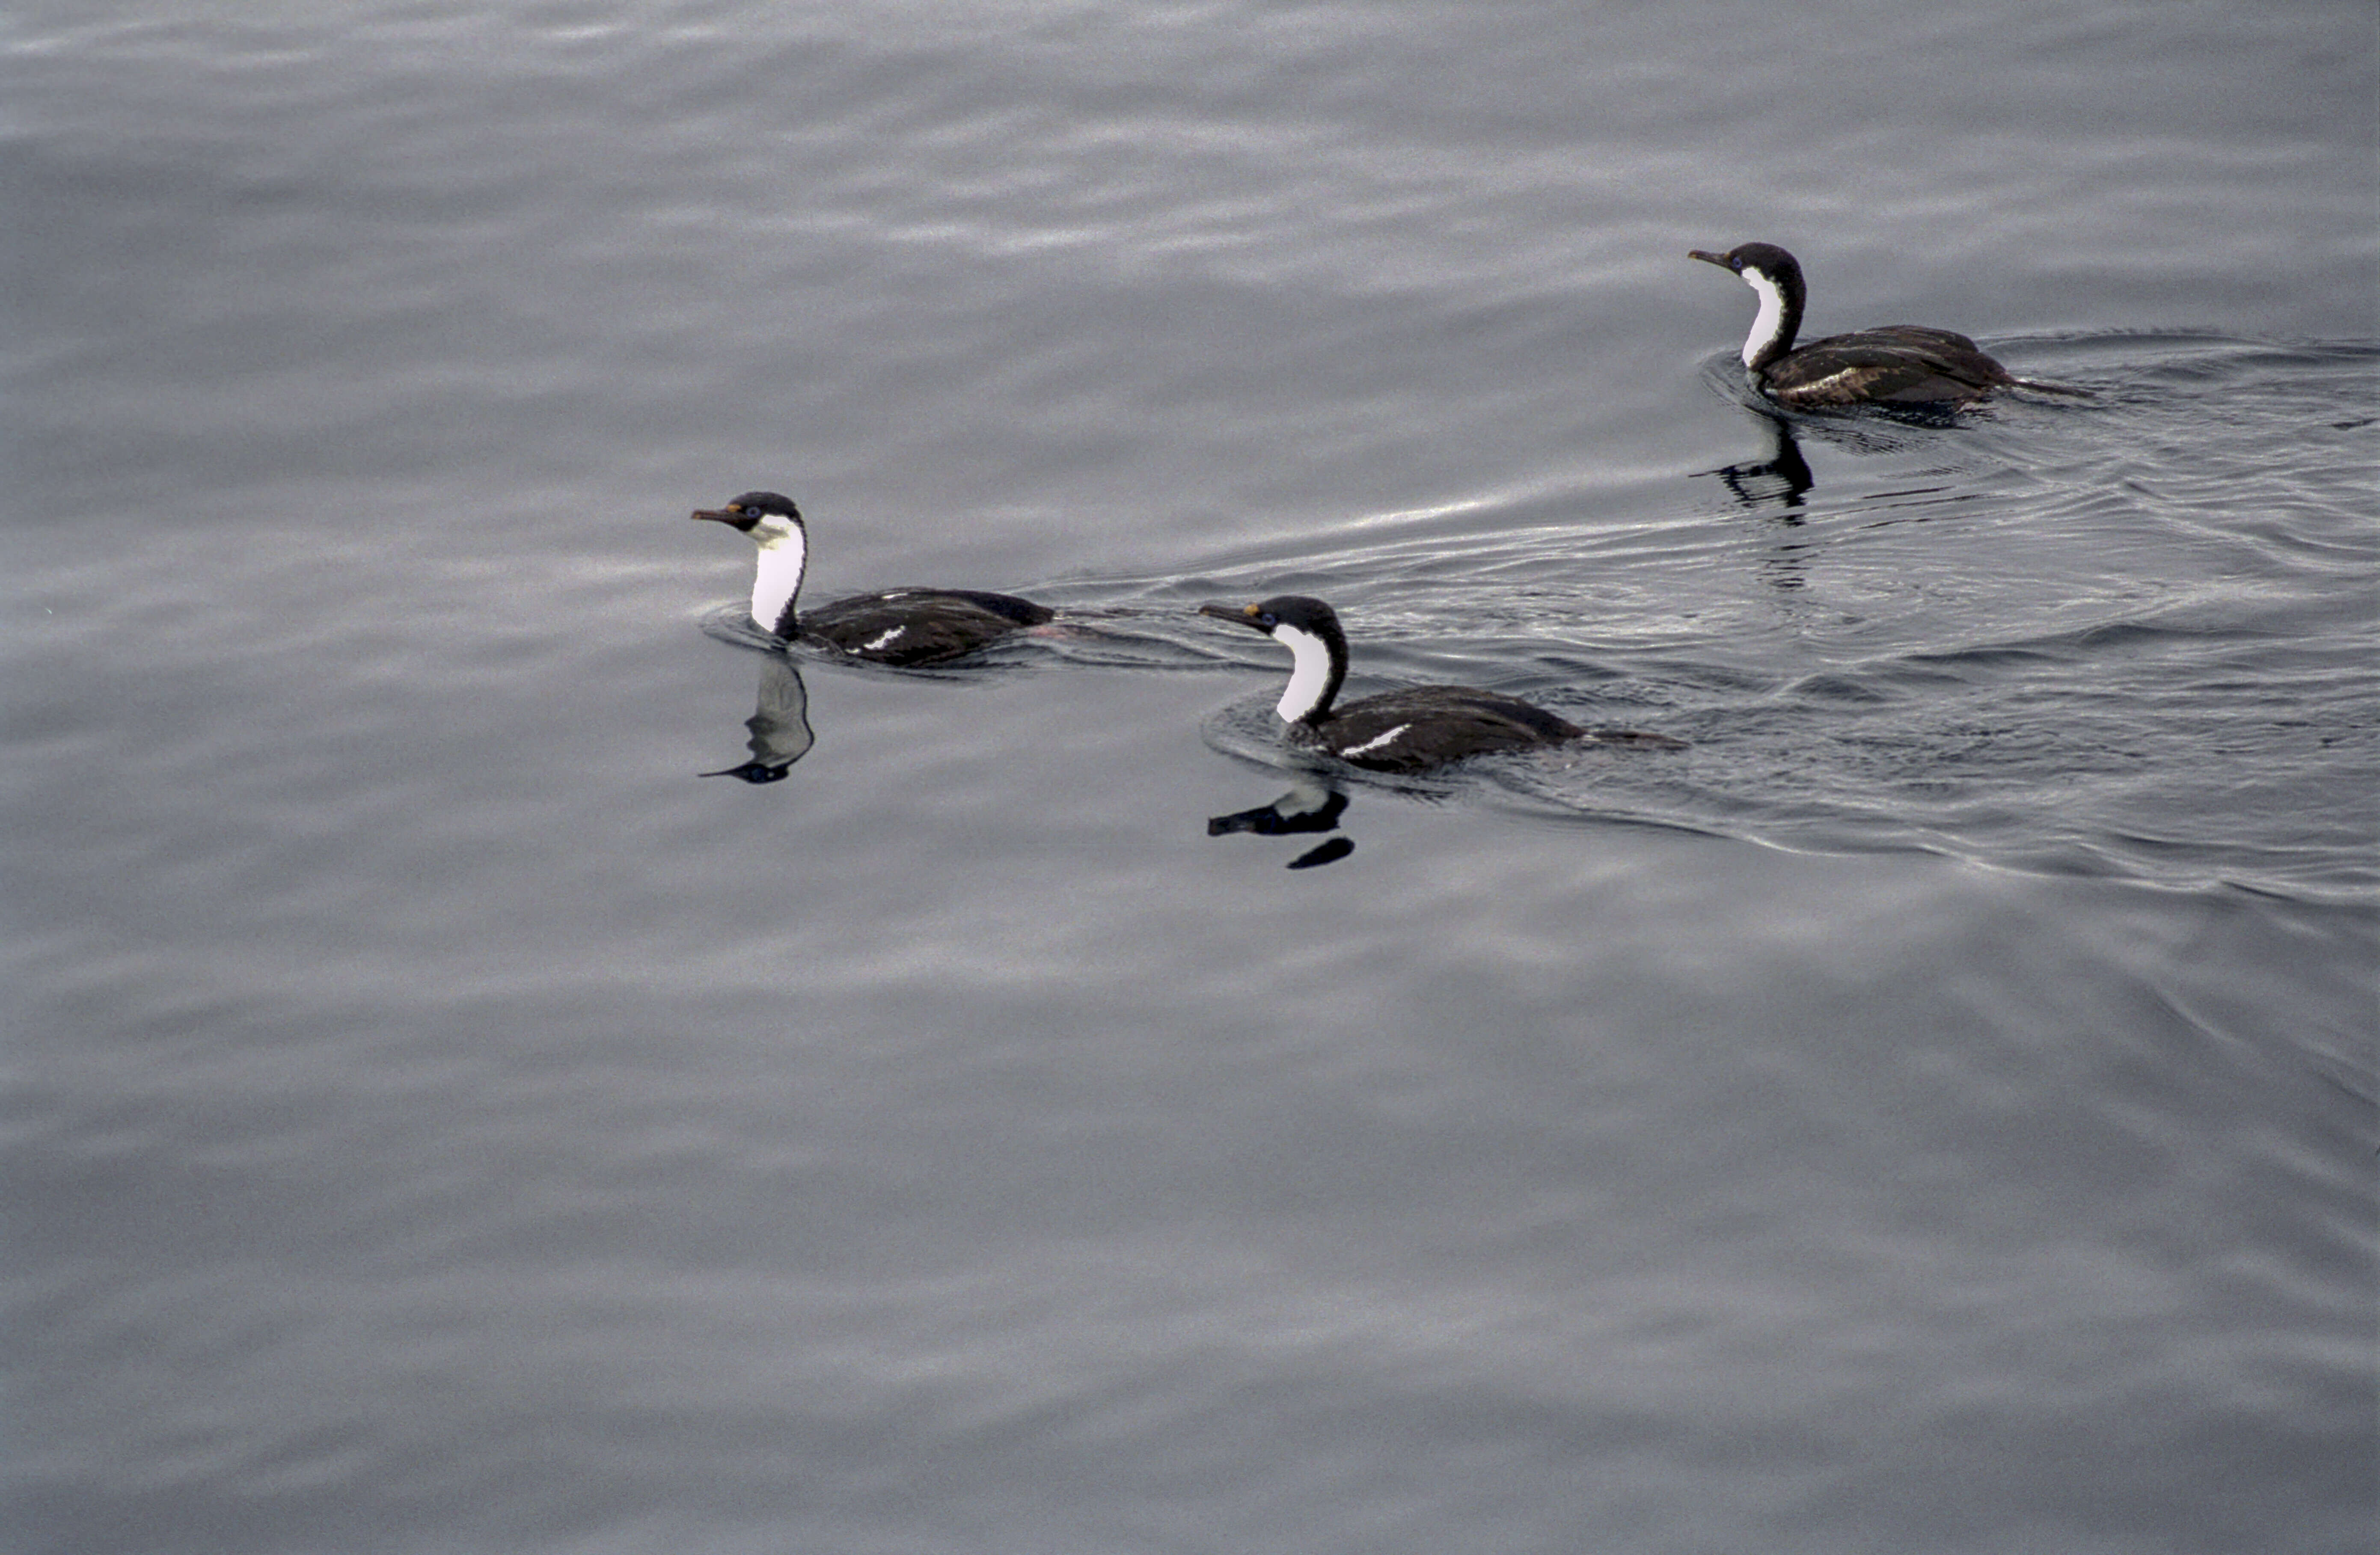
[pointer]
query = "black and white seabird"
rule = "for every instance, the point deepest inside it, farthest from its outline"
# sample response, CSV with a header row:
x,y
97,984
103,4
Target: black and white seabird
x,y
1899,364
1398,731
898,627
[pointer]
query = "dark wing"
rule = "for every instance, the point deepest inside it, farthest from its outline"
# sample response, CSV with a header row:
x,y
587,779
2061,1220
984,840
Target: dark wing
x,y
918,626
1902,364
1407,731
1021,613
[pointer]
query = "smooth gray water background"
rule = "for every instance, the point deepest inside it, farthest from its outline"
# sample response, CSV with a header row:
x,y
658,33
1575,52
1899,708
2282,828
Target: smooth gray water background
x,y
1935,1113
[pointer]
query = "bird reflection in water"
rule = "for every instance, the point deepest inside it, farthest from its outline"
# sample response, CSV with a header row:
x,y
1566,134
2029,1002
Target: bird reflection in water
x,y
1309,807
780,724
1775,486
1780,481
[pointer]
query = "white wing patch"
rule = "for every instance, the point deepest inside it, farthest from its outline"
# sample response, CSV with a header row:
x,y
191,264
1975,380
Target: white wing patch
x,y
1373,744
1841,381
888,636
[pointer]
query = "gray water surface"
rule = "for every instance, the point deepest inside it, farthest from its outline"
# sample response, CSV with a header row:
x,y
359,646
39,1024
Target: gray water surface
x,y
1932,1112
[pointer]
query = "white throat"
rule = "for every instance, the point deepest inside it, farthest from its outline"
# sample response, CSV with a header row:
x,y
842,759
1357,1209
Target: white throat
x,y
1768,321
1309,678
783,551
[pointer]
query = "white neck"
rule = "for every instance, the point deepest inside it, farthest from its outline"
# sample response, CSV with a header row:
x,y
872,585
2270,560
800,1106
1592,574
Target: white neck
x,y
779,576
1768,321
1310,680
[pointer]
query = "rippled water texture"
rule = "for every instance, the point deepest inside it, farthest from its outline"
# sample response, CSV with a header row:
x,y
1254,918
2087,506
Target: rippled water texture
x,y
1934,1112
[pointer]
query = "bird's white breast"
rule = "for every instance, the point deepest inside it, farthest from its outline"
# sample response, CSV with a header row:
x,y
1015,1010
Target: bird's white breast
x,y
779,576
1771,316
1309,675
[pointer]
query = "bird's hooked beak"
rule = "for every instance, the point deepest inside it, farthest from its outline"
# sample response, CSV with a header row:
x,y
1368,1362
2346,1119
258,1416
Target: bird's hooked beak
x,y
1244,617
722,515
1709,258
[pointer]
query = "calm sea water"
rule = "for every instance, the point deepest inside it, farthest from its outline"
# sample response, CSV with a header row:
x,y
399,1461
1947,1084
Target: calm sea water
x,y
1934,1113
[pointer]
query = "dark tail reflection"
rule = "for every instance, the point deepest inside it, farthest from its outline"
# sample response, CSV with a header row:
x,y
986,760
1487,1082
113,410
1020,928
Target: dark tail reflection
x,y
779,724
1313,806
1778,482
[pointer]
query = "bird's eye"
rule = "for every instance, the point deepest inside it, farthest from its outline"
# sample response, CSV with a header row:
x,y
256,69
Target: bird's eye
x,y
1268,619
